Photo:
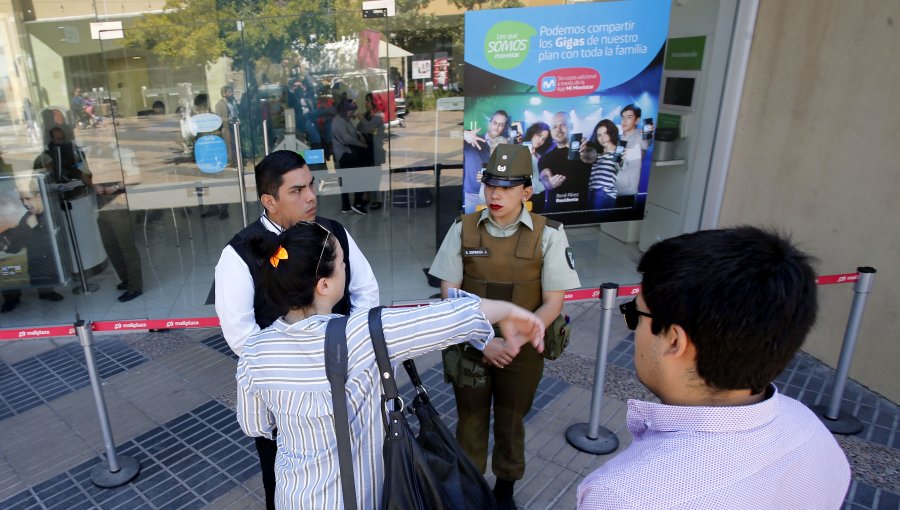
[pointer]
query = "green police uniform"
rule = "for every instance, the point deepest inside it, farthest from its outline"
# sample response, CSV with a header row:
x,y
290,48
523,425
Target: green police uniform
x,y
515,263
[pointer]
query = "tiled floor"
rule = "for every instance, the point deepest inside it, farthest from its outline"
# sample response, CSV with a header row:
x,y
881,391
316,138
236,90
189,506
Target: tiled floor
x,y
186,463
172,409
42,378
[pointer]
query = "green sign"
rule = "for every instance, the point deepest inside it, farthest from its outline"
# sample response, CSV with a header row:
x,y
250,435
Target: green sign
x,y
507,43
685,53
668,120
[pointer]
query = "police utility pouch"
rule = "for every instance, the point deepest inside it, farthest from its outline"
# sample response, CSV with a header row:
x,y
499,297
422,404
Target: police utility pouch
x,y
556,337
463,366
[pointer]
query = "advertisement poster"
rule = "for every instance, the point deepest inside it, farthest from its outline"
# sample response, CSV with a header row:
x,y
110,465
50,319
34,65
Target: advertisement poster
x,y
577,84
421,69
28,245
441,71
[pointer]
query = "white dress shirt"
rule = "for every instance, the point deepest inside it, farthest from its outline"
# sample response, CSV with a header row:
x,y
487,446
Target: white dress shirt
x,y
234,290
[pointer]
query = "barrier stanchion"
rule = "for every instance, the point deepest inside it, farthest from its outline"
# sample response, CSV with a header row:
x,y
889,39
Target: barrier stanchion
x,y
239,163
591,437
834,419
116,470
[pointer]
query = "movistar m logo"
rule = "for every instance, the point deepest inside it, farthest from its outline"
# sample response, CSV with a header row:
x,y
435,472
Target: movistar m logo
x,y
548,84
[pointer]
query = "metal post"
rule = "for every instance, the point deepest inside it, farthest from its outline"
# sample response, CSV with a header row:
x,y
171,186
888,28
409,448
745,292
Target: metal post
x,y
591,437
239,160
266,136
834,419
85,287
116,470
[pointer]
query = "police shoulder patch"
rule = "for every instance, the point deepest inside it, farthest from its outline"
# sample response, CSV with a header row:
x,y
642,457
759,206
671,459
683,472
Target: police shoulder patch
x,y
553,224
570,257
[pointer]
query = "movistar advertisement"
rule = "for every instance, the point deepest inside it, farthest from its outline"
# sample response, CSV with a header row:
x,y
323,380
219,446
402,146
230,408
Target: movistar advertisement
x,y
579,86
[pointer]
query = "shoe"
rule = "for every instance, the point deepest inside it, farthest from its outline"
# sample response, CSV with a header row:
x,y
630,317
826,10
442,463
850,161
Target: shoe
x,y
345,211
507,504
122,286
375,205
209,213
9,305
129,295
359,209
50,296
503,494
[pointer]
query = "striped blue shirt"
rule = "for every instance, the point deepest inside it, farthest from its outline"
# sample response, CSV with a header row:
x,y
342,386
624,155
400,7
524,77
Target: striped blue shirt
x,y
604,173
281,383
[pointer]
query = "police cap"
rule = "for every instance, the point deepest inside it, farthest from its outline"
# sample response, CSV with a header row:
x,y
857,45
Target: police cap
x,y
510,165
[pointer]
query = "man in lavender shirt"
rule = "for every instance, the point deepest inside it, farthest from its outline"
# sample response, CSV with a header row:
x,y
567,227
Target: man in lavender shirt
x,y
720,314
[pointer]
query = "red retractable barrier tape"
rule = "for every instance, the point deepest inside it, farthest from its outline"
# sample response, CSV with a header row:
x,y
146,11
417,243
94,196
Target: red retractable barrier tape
x,y
213,322
196,322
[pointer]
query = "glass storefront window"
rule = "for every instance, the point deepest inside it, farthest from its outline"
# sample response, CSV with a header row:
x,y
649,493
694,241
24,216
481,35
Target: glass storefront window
x,y
166,117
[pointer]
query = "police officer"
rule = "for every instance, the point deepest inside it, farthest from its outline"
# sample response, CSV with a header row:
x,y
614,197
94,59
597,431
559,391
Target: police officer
x,y
503,252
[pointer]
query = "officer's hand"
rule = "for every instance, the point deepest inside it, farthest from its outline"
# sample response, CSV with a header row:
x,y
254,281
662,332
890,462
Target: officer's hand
x,y
521,327
499,352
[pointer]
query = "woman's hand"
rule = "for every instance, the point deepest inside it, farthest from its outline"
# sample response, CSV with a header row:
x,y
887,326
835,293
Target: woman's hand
x,y
517,325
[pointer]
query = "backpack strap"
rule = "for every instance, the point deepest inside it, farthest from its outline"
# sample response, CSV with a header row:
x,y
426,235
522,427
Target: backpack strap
x,y
336,370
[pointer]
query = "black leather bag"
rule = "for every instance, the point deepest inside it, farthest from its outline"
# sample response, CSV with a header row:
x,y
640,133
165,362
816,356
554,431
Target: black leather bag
x,y
464,484
425,472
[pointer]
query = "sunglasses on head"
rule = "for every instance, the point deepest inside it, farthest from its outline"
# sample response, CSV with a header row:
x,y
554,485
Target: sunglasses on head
x,y
324,243
631,314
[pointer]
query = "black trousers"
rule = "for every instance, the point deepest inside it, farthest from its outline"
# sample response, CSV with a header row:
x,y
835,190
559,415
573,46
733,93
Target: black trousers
x,y
267,449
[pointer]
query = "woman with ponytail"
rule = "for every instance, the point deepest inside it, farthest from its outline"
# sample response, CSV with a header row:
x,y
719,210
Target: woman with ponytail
x,y
281,377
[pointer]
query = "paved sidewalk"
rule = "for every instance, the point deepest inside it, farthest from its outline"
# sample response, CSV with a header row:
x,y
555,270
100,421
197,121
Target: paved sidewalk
x,y
171,396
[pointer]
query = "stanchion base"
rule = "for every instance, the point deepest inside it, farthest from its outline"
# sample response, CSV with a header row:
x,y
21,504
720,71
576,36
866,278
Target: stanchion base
x,y
101,476
91,287
845,424
606,441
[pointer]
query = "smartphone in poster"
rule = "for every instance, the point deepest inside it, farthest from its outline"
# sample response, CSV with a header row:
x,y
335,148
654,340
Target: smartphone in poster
x,y
571,82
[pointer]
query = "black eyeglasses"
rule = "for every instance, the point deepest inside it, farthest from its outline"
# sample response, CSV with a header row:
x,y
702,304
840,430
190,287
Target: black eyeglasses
x,y
324,243
632,314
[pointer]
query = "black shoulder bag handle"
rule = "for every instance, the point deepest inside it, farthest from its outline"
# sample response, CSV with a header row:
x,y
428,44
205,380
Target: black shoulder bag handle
x,y
336,370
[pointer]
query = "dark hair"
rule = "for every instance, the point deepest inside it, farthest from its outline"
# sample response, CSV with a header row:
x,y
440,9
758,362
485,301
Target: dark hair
x,y
270,171
292,284
534,129
227,88
201,101
746,297
635,109
611,130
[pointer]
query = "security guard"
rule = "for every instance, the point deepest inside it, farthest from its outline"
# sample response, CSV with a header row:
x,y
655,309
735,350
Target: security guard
x,y
503,252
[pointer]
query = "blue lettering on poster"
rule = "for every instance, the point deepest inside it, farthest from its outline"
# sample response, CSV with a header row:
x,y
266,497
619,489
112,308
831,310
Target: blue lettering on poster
x,y
618,39
210,154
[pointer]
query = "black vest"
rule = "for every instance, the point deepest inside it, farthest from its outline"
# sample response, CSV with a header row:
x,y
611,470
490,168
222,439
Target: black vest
x,y
265,311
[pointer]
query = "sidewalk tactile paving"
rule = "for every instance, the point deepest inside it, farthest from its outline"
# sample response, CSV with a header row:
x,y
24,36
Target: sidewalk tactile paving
x,y
218,343
186,463
52,374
